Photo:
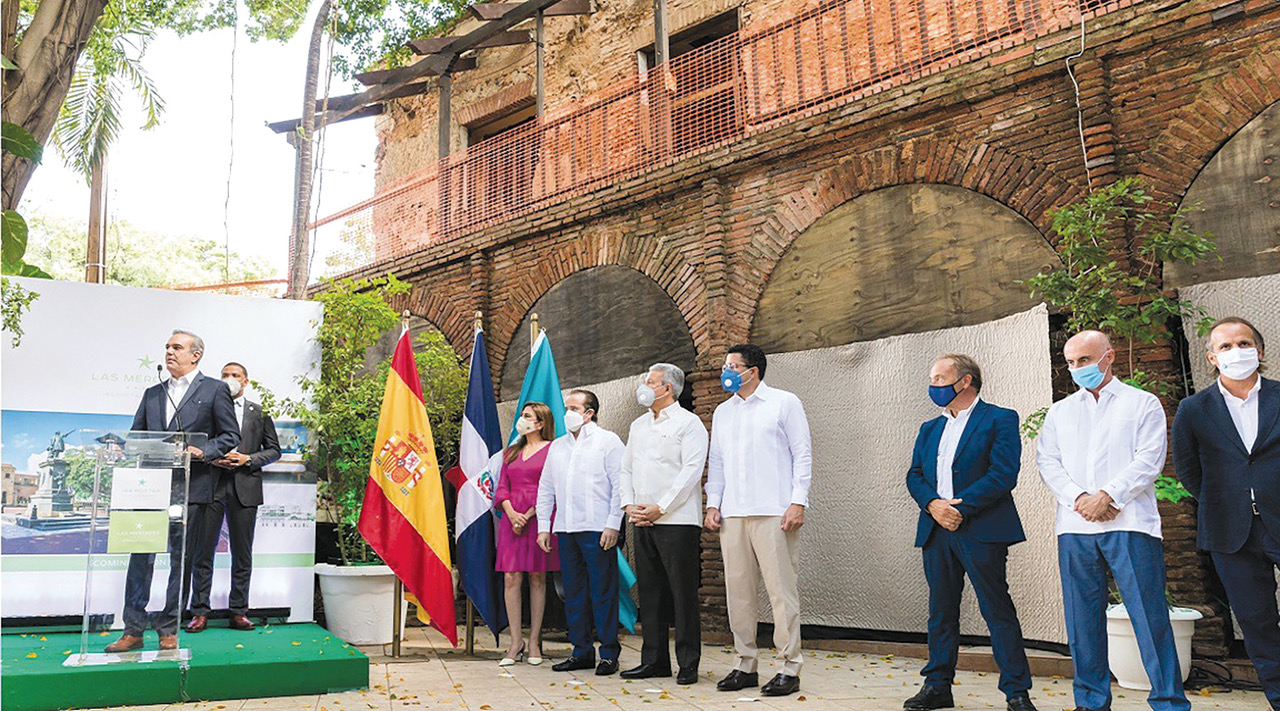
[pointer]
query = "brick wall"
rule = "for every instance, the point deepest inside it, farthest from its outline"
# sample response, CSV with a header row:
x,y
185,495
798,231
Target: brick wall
x,y
1163,87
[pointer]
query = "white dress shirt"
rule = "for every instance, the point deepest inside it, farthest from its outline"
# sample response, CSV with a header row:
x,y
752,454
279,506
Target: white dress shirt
x,y
177,390
761,457
239,403
951,432
663,464
1115,444
580,482
1244,413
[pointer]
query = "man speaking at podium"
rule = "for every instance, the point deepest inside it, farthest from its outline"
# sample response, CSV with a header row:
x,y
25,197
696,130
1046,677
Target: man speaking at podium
x,y
190,403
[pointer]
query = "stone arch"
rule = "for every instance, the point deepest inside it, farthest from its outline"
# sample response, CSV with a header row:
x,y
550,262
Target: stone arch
x,y
1027,188
434,307
600,245
608,322
903,259
1238,191
1219,111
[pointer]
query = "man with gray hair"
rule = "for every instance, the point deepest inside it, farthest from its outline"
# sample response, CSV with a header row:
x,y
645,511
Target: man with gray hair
x,y
661,472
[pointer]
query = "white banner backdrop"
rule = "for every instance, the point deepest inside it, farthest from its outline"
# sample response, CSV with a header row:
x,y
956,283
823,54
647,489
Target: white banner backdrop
x,y
88,353
865,403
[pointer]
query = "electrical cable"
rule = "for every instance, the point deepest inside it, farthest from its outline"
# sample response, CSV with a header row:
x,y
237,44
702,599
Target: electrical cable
x,y
231,143
1079,110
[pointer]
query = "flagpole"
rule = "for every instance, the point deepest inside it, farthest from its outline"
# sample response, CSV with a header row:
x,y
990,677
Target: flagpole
x,y
471,609
534,330
395,627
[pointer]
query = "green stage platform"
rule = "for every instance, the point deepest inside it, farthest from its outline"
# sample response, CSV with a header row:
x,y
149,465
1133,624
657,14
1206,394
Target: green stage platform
x,y
281,660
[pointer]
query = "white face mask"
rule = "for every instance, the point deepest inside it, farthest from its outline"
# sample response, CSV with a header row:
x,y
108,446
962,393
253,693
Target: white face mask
x,y
573,420
1237,363
645,396
233,384
524,426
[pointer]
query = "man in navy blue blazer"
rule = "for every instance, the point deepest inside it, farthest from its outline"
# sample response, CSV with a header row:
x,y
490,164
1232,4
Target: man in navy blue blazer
x,y
1226,450
962,475
191,403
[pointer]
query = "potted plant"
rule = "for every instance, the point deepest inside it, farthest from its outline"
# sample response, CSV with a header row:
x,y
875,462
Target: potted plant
x,y
340,408
1093,290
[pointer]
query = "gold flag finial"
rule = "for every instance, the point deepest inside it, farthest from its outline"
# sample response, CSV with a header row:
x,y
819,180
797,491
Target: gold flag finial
x,y
479,323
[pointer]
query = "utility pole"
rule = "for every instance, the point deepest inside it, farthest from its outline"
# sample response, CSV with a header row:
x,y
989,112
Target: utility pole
x,y
95,256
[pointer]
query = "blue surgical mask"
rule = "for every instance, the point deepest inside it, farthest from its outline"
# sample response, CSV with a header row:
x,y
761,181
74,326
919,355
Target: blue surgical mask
x,y
731,380
1088,377
942,395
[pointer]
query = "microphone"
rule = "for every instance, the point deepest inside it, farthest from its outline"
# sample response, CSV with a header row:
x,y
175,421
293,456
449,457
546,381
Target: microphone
x,y
177,418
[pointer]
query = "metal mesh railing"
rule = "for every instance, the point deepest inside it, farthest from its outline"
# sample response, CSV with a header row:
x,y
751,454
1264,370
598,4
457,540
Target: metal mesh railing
x,y
740,85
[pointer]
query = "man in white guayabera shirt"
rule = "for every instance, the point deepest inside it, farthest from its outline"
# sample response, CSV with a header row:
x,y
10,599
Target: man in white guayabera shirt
x,y
661,473
757,489
1099,452
580,485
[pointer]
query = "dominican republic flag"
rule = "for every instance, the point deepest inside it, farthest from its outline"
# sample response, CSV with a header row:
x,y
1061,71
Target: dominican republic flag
x,y
403,515
476,477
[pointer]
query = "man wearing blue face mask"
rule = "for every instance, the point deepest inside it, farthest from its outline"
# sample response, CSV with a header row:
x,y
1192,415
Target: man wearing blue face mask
x,y
1226,449
1099,452
758,472
963,471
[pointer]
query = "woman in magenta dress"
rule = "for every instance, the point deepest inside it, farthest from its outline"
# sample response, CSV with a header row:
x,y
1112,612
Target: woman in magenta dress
x,y
518,551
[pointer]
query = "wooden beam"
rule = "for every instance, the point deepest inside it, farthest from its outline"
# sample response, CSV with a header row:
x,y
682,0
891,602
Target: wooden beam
x,y
292,124
492,11
432,45
379,76
434,64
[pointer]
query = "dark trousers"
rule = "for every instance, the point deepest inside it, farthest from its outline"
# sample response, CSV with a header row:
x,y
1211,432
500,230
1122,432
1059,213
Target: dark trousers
x,y
668,572
1136,561
948,557
1249,578
137,583
590,576
240,525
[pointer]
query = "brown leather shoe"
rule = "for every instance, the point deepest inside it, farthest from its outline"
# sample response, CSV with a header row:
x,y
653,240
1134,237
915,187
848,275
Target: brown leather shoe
x,y
126,643
168,641
197,624
240,622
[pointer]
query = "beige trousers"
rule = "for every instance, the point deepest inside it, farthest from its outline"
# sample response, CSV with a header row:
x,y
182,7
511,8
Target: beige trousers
x,y
755,547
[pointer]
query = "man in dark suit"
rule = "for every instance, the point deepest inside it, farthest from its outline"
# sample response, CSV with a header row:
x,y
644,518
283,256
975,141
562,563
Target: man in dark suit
x,y
236,496
1226,449
191,403
962,475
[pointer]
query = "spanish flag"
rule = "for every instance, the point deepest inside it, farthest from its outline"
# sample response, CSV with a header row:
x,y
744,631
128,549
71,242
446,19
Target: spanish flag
x,y
403,514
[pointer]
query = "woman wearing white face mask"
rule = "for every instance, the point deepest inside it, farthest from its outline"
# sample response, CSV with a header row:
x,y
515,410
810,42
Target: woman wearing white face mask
x,y
518,551
1226,451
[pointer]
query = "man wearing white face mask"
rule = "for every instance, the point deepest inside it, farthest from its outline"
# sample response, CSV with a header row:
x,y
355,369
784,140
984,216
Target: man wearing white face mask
x,y
580,485
237,494
661,471
1099,452
1226,449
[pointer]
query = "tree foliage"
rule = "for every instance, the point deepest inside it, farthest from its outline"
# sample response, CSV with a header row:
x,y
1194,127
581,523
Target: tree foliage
x,y
137,257
374,32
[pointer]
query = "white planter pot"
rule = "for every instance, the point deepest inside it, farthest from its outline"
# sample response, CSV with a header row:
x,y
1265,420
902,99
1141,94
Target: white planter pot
x,y
358,602
1122,646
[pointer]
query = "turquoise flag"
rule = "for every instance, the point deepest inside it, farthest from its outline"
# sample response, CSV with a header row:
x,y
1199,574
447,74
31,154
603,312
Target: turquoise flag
x,y
627,611
541,384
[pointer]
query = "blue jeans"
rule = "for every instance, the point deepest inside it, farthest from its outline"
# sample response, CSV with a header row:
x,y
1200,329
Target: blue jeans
x,y
1136,561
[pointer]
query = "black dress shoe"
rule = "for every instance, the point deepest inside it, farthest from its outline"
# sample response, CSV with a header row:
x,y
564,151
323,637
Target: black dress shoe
x,y
781,685
687,676
607,667
930,697
574,664
646,671
738,680
1021,703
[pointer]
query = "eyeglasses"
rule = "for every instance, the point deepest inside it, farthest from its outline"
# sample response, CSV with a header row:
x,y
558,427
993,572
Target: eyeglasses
x,y
735,366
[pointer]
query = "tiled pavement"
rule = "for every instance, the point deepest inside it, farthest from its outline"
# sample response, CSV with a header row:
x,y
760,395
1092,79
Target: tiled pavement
x,y
430,675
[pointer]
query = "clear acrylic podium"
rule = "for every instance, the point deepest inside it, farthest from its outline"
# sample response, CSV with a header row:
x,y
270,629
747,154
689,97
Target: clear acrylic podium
x,y
137,525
